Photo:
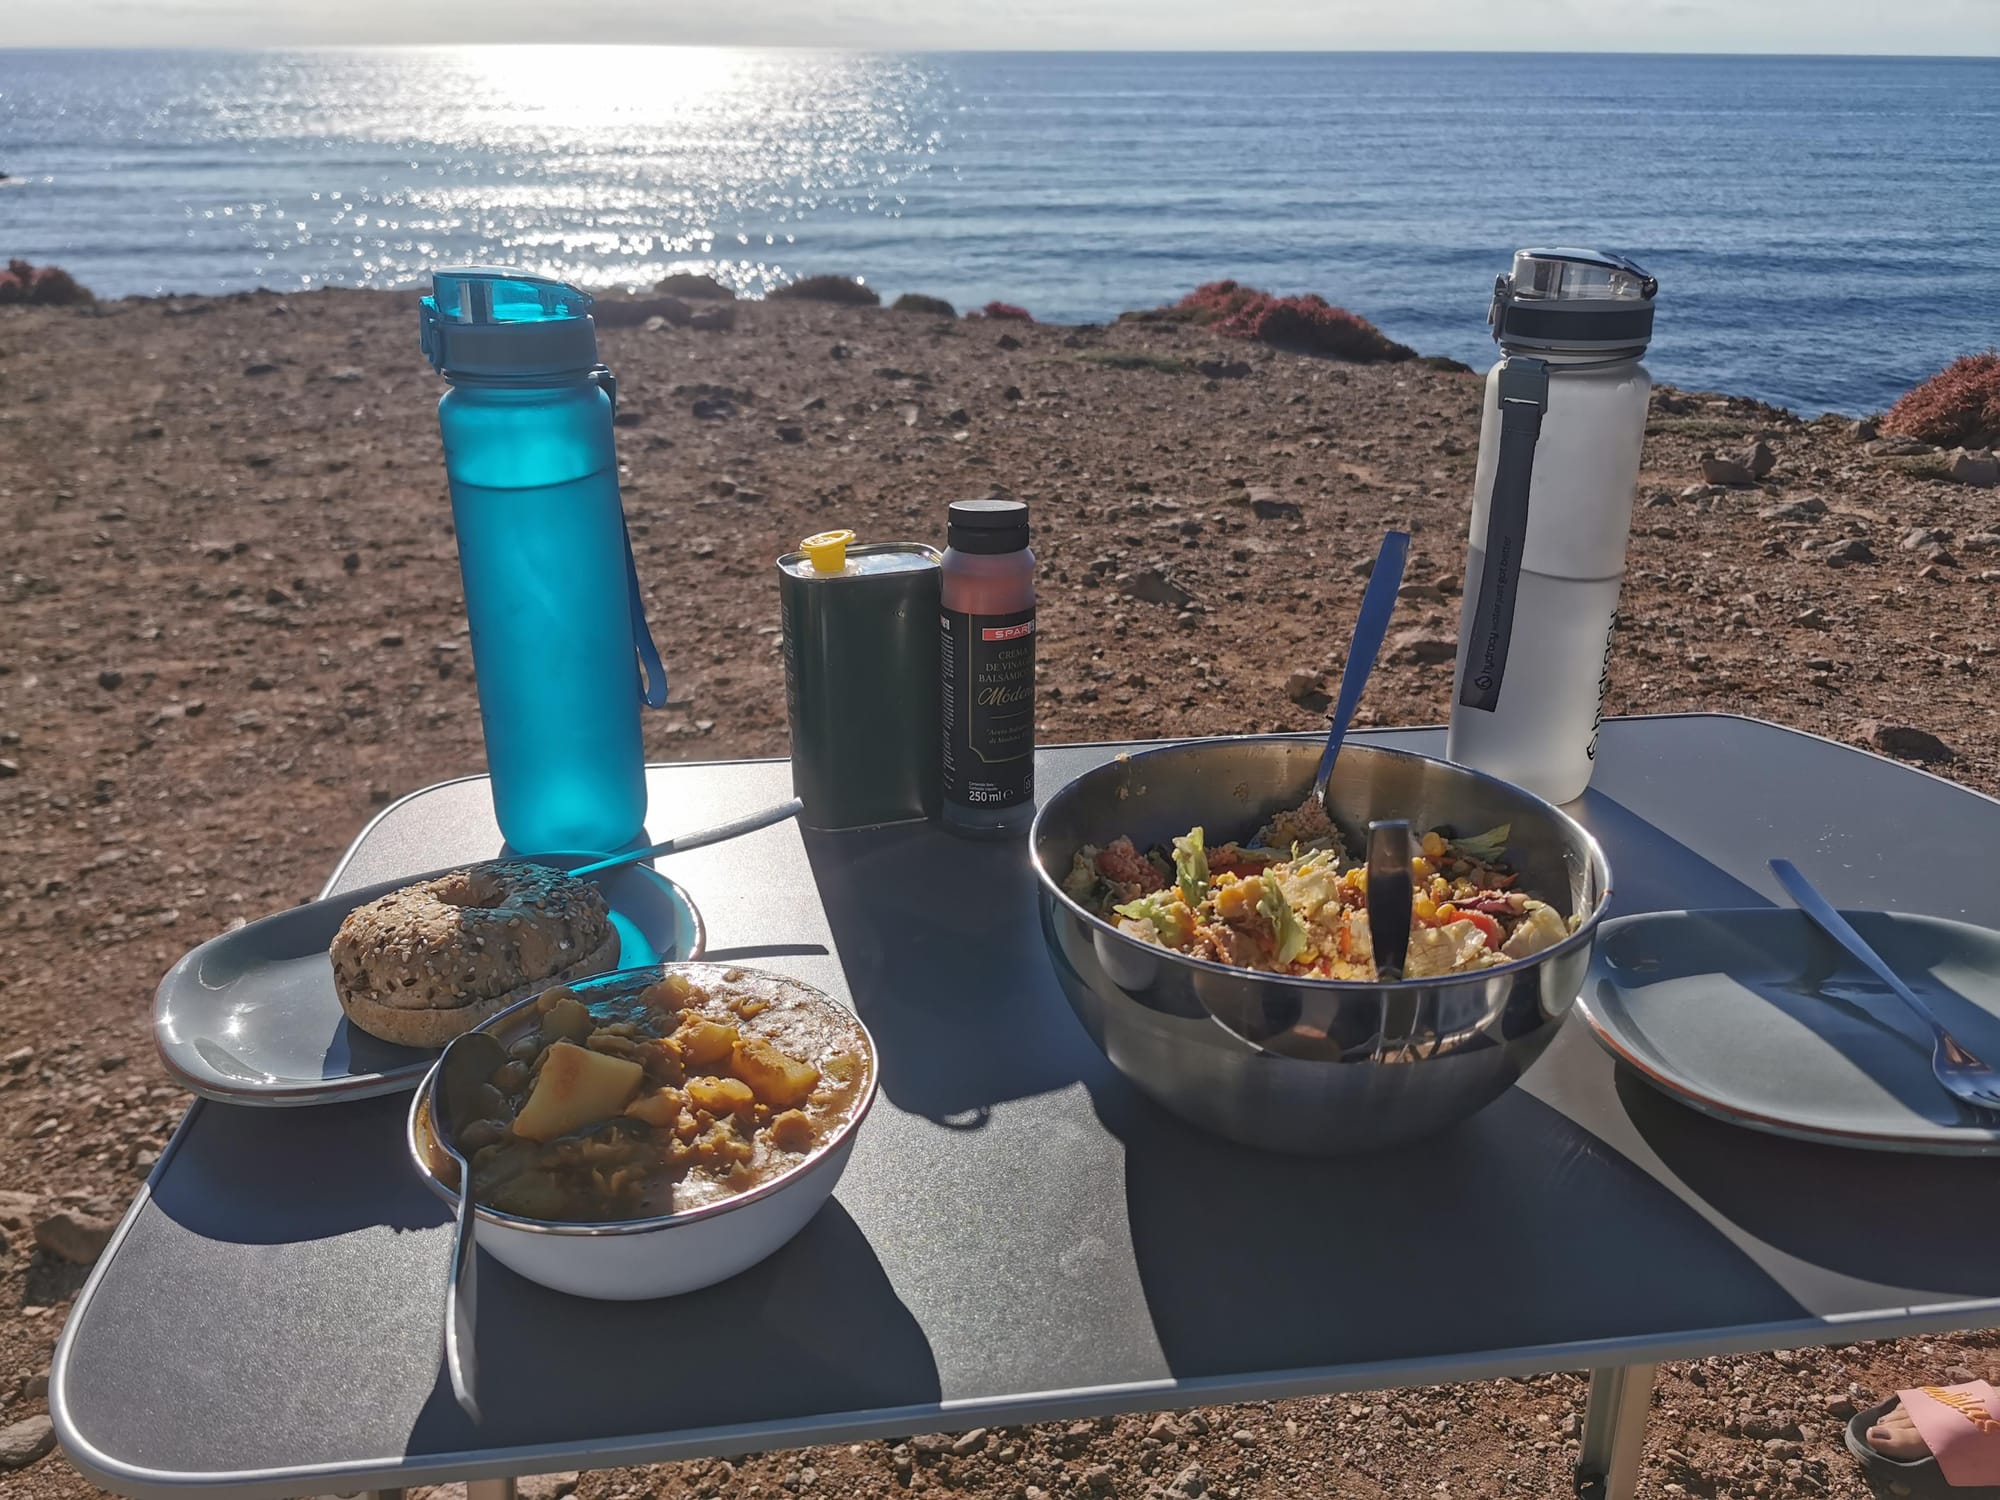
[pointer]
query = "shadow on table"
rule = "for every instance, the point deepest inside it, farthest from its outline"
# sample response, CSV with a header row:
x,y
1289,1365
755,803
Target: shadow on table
x,y
1651,870
761,1347
1514,1230
943,953
1900,1219
274,1176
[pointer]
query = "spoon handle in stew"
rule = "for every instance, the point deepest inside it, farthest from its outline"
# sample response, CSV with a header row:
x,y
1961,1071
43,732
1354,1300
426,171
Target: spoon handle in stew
x,y
458,1347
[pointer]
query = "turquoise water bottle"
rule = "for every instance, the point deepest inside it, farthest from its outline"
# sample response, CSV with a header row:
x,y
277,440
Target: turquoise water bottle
x,y
558,629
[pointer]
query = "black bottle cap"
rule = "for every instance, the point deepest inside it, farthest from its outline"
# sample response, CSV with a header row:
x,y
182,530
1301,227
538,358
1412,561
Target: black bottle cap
x,y
987,525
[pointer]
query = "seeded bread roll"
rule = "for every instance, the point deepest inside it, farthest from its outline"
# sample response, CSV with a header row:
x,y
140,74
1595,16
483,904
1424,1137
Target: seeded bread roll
x,y
427,963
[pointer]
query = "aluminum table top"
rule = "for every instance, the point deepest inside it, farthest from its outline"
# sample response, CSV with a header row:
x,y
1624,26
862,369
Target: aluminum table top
x,y
1020,1235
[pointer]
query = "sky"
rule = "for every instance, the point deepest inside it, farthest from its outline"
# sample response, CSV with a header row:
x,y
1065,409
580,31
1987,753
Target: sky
x,y
1956,28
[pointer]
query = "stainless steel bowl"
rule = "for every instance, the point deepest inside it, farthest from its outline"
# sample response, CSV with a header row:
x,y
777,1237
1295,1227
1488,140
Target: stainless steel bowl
x,y
1340,1066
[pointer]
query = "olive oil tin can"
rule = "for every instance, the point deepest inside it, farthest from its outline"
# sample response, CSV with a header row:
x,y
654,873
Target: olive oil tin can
x,y
861,679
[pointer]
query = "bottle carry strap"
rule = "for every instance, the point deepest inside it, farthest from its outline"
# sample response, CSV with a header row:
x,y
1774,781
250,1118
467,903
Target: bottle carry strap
x,y
652,671
1524,399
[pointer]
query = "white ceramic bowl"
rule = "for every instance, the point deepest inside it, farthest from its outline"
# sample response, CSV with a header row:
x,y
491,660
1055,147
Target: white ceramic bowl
x,y
633,1259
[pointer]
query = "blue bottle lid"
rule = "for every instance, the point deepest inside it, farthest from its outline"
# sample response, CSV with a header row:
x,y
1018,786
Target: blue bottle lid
x,y
492,323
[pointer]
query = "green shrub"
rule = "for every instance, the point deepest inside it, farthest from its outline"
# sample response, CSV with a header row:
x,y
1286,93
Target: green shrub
x,y
917,302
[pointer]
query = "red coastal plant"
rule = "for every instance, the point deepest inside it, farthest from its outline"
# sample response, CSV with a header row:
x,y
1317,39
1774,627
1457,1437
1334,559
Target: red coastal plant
x,y
1309,323
1957,407
1006,311
50,286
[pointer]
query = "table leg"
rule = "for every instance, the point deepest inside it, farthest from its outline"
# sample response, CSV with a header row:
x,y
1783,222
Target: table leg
x,y
1614,1432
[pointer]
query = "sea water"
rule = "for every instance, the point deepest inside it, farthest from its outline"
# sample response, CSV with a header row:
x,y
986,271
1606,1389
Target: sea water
x,y
1543,735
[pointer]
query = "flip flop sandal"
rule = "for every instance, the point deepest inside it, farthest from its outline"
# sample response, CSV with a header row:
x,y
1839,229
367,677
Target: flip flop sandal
x,y
1955,1423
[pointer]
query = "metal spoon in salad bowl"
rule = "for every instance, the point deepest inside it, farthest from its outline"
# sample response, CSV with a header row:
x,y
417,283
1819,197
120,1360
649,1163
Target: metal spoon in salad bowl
x,y
1378,603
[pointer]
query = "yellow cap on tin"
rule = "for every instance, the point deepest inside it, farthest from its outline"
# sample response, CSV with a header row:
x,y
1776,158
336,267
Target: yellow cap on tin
x,y
828,551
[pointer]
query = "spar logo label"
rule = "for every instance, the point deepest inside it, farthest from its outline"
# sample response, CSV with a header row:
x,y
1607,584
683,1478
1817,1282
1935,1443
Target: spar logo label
x,y
1008,632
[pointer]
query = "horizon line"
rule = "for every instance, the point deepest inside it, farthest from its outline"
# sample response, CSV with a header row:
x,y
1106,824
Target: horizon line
x,y
1135,51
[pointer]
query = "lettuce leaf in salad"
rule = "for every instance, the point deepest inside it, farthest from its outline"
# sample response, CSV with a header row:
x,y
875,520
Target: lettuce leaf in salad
x,y
1292,939
1191,867
1485,848
1169,921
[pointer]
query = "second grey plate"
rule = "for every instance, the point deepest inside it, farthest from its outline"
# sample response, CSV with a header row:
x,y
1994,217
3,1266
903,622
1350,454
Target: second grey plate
x,y
1758,1018
251,1017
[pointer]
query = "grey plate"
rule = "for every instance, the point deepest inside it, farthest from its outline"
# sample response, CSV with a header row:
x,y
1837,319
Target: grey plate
x,y
251,1017
1756,1017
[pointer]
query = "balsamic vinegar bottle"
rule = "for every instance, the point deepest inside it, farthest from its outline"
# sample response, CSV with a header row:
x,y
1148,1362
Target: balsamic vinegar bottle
x,y
988,654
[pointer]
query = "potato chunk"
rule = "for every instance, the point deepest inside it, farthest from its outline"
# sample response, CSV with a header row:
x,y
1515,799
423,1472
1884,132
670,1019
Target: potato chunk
x,y
777,1080
661,1108
792,1131
566,1017
706,1043
720,1096
577,1087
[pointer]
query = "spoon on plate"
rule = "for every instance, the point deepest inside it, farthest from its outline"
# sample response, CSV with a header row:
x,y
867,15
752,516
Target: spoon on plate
x,y
1378,603
467,1067
681,843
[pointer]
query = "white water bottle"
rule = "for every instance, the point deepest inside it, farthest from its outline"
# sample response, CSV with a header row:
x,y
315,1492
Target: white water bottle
x,y
1559,448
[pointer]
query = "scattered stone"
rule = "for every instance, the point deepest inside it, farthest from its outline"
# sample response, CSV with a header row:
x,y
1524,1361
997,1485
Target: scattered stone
x,y
790,432
1853,550
714,408
958,417
36,1386
347,375
1863,431
1153,586
1221,369
1729,471
1189,1484
702,546
1008,341
716,319
1980,541
1269,505
1758,459
1813,618
390,638
1980,470
1805,508
1896,447
1923,536
1307,689
1906,742
260,368
351,563
1012,393
74,1236
1423,647
17,1209
1840,1407
547,1486
1100,1476
813,403
9,768
970,1442
110,678
26,1441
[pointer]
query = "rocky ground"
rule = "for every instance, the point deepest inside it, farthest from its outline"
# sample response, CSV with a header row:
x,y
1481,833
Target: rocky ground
x,y
233,631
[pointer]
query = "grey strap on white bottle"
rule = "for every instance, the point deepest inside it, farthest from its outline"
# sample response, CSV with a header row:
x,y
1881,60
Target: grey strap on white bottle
x,y
1524,400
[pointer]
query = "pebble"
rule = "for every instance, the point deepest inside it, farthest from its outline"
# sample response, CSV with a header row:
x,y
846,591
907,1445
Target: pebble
x,y
970,1442
1717,469
1100,1476
1853,550
9,768
1906,741
260,368
547,1486
75,1237
1423,647
1189,1483
18,1059
1243,1438
1153,586
791,432
110,678
26,1441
